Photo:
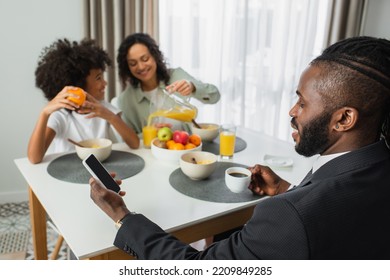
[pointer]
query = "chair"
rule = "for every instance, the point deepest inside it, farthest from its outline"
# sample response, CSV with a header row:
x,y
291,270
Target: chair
x,y
114,102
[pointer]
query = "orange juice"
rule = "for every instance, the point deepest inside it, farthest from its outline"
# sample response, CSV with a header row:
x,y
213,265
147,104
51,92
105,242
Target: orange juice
x,y
180,114
227,141
149,132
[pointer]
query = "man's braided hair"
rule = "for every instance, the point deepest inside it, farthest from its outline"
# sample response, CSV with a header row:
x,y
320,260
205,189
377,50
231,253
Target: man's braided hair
x,y
357,74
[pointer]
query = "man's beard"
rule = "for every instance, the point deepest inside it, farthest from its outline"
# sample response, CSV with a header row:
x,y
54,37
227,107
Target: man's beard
x,y
314,137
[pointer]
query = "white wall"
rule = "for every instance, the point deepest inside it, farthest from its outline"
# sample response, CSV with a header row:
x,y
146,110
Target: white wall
x,y
377,19
25,28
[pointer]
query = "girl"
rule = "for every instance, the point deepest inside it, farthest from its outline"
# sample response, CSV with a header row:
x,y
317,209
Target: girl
x,y
63,66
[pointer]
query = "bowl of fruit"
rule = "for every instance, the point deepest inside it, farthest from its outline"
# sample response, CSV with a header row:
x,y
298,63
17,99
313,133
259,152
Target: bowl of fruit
x,y
171,145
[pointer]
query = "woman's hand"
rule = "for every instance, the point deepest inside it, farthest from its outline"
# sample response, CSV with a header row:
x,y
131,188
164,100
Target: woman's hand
x,y
265,182
161,125
183,87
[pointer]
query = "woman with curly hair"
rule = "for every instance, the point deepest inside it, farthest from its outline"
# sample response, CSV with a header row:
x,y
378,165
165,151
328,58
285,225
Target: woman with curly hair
x,y
143,70
63,66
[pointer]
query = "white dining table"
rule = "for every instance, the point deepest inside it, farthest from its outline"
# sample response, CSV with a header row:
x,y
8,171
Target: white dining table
x,y
90,233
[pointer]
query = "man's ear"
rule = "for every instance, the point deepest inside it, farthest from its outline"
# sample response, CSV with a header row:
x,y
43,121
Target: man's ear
x,y
344,119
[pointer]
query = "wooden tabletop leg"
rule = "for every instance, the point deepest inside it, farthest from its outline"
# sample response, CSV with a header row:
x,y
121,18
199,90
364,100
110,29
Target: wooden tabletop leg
x,y
38,227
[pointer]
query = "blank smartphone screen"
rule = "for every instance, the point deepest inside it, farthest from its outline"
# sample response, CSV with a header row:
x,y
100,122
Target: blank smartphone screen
x,y
102,173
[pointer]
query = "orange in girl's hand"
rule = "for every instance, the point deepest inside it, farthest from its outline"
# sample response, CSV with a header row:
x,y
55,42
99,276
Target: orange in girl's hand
x,y
195,139
79,100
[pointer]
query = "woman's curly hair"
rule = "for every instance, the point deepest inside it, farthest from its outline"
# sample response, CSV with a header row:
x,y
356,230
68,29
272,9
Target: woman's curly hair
x,y
125,74
66,63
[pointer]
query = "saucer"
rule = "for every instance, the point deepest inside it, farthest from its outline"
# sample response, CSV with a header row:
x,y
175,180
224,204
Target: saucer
x,y
278,161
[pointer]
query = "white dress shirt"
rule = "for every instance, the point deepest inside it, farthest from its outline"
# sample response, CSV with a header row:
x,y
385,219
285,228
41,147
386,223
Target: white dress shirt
x,y
320,161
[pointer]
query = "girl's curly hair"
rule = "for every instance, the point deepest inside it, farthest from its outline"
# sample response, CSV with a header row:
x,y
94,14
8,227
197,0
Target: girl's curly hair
x,y
66,63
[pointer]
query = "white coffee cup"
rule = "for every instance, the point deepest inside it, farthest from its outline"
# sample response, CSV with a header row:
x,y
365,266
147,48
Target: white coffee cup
x,y
237,179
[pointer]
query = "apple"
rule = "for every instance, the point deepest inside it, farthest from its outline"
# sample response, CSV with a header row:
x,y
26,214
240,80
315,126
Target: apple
x,y
180,136
164,134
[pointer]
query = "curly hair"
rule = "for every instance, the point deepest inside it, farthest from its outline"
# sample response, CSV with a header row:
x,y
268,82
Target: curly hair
x,y
125,74
356,74
66,63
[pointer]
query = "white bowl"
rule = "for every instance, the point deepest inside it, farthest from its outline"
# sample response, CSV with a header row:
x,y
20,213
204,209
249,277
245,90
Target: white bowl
x,y
205,164
170,155
208,131
101,148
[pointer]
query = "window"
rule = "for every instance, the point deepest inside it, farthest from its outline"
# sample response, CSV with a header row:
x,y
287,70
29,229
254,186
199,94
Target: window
x,y
252,50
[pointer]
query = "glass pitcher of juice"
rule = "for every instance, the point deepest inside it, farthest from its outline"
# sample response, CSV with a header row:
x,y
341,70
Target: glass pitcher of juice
x,y
173,107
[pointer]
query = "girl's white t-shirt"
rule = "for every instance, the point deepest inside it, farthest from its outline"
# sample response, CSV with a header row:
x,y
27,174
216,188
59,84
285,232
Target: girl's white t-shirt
x,y
77,127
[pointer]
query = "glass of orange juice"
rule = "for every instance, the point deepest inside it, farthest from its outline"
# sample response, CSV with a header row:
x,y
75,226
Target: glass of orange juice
x,y
227,140
149,132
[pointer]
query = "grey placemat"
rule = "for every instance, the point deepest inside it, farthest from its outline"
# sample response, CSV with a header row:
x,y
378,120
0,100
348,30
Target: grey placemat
x,y
211,189
69,167
213,147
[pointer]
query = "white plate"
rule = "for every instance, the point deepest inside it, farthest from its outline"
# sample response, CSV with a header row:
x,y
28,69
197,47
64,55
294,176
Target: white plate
x,y
278,161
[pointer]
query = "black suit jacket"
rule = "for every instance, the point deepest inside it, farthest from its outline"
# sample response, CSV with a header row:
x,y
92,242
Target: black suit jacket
x,y
342,212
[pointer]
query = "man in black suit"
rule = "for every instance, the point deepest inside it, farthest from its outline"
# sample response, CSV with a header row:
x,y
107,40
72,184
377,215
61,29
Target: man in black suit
x,y
339,211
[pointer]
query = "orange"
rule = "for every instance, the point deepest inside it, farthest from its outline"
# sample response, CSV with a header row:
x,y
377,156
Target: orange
x,y
189,146
79,100
170,143
177,146
195,139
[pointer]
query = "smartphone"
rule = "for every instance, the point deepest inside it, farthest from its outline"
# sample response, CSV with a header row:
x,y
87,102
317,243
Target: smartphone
x,y
97,170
